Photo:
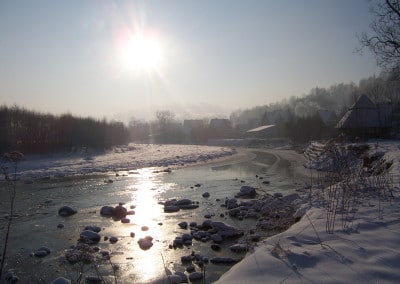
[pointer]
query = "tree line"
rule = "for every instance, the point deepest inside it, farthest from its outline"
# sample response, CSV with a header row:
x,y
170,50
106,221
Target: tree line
x,y
33,132
338,98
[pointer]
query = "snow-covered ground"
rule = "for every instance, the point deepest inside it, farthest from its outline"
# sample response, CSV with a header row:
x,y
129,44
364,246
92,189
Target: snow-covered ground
x,y
366,251
127,158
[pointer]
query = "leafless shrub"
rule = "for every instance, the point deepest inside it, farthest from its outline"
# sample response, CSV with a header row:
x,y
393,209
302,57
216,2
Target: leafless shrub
x,y
341,193
10,184
350,174
88,263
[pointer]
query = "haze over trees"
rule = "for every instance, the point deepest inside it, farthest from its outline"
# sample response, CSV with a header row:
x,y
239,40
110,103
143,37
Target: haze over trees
x,y
32,132
338,98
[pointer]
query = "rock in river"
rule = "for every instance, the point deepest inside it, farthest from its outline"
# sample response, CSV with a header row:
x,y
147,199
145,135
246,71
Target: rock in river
x,y
145,243
89,237
95,229
66,211
42,252
247,192
107,211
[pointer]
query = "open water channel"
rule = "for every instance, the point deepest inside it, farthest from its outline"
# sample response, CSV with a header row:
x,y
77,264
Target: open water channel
x,y
37,219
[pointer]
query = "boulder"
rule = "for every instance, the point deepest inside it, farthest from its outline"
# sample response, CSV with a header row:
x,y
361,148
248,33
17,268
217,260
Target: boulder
x,y
174,279
239,248
206,194
186,259
119,212
195,276
206,225
190,269
66,211
95,229
216,238
178,242
107,211
189,206
231,203
224,260
183,225
226,231
89,237
113,240
171,208
183,202
182,276
145,243
42,252
291,198
247,192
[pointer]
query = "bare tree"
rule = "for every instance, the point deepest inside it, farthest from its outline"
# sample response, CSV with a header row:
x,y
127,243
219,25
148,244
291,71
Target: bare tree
x,y
168,129
164,118
383,39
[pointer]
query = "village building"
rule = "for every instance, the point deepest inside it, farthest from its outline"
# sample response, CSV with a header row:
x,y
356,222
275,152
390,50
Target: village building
x,y
192,124
364,119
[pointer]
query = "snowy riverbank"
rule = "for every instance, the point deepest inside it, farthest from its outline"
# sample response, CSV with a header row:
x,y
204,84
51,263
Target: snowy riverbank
x,y
126,158
366,251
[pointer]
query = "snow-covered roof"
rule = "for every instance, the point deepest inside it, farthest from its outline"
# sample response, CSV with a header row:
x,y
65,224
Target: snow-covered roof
x,y
260,128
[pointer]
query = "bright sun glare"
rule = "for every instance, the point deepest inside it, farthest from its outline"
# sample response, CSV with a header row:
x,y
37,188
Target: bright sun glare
x,y
142,53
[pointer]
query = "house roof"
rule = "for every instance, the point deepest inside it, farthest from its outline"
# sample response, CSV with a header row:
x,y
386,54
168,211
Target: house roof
x,y
362,114
261,128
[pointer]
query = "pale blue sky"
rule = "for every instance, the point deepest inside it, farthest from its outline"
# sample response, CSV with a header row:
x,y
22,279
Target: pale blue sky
x,y
63,56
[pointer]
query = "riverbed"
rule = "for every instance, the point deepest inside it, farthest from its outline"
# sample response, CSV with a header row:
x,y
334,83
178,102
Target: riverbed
x,y
142,190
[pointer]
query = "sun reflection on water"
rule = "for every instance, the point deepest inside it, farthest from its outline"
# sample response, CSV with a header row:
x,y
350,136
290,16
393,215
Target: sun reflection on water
x,y
148,213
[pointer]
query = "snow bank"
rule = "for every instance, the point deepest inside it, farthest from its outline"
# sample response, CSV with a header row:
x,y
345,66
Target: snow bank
x,y
119,159
367,250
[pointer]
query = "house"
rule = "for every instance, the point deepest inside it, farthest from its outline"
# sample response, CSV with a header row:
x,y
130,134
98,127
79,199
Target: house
x,y
366,120
220,123
191,124
221,128
195,130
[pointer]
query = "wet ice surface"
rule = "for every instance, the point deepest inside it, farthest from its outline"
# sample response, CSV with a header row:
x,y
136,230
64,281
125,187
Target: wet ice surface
x,y
38,203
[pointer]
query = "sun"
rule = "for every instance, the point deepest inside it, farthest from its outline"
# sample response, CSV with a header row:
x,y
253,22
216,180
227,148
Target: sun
x,y
142,53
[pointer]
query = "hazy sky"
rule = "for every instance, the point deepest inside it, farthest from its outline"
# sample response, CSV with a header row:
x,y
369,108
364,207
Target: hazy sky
x,y
202,56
